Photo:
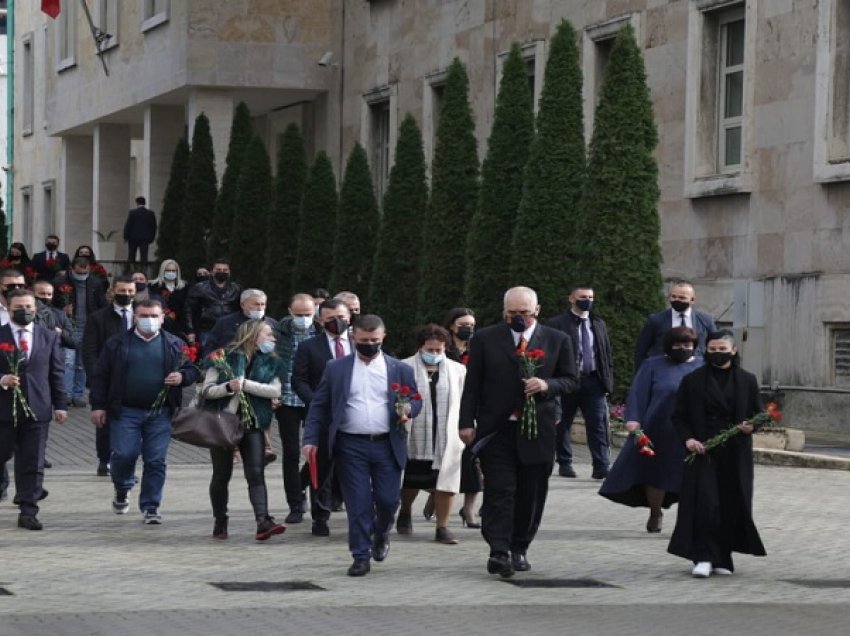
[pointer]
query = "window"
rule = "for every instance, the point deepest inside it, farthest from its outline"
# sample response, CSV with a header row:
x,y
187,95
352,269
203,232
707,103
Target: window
x,y
730,90
107,23
832,92
596,51
154,13
26,215
719,97
840,355
432,106
378,133
48,211
533,54
28,81
66,36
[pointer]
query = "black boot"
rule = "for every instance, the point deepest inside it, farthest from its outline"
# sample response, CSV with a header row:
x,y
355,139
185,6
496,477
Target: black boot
x,y
220,528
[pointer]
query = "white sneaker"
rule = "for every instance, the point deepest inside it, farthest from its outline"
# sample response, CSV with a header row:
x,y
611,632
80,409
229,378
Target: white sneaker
x,y
721,571
702,570
152,517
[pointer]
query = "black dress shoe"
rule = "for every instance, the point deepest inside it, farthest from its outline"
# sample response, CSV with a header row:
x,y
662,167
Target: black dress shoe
x,y
103,469
380,548
520,562
294,516
360,567
500,564
29,522
320,529
599,472
566,470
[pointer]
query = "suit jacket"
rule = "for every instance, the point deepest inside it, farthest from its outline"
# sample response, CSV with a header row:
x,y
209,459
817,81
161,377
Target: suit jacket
x,y
39,264
100,327
42,376
568,323
327,409
140,225
649,342
311,358
494,390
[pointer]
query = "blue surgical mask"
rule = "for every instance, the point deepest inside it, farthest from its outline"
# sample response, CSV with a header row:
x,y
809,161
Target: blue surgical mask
x,y
302,322
266,347
256,314
431,358
79,277
169,276
149,325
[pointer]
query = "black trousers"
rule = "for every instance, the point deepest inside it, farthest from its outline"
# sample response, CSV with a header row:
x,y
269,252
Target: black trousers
x,y
101,444
142,248
514,495
252,449
27,441
289,420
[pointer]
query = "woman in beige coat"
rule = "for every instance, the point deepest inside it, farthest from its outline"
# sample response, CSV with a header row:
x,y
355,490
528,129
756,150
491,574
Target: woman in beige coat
x,y
434,448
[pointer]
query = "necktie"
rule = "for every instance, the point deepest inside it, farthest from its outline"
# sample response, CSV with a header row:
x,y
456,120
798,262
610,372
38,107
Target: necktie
x,y
23,343
586,349
339,352
683,323
522,345
124,318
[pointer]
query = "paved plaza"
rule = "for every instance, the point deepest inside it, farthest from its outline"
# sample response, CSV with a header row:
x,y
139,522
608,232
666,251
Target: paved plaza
x,y
595,569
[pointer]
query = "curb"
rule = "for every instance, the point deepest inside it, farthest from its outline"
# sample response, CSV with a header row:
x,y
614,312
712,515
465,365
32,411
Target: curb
x,y
799,460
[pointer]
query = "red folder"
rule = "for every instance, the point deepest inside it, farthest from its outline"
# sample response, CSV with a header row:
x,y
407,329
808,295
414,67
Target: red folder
x,y
313,466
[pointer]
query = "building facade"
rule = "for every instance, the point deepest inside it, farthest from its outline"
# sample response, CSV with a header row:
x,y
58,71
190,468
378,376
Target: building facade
x,y
751,98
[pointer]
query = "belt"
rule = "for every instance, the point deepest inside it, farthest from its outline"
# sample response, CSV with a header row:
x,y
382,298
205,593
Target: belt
x,y
372,437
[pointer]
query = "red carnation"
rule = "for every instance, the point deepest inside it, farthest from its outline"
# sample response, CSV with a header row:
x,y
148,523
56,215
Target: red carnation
x,y
536,353
7,347
395,386
405,390
25,346
415,396
643,440
646,450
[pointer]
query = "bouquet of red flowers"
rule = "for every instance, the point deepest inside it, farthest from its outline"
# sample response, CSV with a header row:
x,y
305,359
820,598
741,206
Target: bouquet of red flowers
x,y
644,444
30,274
99,270
768,416
66,293
403,397
187,354
15,356
529,362
218,360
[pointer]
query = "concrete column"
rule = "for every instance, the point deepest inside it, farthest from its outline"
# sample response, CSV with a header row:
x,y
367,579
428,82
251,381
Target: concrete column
x,y
74,220
218,106
164,126
111,197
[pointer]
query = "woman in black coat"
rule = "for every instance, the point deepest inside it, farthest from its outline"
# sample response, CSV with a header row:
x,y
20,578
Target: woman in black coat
x,y
715,515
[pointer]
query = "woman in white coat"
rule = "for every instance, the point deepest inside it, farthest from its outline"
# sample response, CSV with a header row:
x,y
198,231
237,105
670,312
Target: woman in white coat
x,y
434,447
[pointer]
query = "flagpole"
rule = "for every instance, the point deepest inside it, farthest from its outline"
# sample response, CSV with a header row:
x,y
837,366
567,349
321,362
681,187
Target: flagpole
x,y
97,35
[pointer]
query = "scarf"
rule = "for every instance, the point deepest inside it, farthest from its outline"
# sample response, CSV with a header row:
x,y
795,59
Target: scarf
x,y
420,444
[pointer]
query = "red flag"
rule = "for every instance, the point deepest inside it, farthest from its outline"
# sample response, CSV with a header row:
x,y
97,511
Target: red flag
x,y
51,7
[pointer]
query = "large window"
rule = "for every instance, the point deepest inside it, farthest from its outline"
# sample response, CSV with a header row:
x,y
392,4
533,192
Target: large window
x,y
379,114
535,63
432,105
730,108
841,355
154,13
28,83
66,36
832,92
48,210
26,215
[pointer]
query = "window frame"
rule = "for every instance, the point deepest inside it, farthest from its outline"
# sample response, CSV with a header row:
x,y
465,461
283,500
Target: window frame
x,y
110,23
151,18
726,123
28,85
381,158
66,37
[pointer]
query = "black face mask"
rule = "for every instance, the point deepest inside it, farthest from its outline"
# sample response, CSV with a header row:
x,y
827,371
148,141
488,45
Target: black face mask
x,y
51,247
680,355
123,299
679,305
140,287
201,278
368,349
335,326
23,317
221,277
464,332
584,304
518,323
14,255
718,358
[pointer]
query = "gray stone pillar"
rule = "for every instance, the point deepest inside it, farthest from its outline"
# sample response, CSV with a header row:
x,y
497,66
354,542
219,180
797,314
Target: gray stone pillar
x,y
218,106
164,126
74,220
111,197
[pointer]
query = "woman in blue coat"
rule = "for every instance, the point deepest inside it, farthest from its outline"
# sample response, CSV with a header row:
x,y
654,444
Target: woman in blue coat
x,y
654,481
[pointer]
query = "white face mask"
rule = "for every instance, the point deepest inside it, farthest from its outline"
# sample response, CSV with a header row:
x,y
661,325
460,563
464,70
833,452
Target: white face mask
x,y
169,276
149,325
256,314
302,322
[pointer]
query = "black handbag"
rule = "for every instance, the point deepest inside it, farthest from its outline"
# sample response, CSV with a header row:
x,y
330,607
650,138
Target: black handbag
x,y
206,427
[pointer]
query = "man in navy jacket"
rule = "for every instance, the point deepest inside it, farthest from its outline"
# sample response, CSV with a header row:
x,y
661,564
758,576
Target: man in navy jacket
x,y
139,231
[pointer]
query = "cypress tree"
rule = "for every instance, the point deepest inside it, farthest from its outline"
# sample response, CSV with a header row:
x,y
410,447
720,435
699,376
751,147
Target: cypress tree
x,y
227,202
357,227
395,275
622,230
454,194
318,211
168,233
289,189
546,241
249,234
199,202
487,269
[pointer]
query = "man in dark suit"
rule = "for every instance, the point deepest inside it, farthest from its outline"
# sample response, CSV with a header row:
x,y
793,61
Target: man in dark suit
x,y
589,337
139,231
681,314
40,378
252,306
100,327
516,463
51,261
311,358
358,409
210,299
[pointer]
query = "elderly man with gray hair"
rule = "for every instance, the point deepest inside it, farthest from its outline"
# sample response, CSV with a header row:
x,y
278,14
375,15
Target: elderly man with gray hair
x,y
252,306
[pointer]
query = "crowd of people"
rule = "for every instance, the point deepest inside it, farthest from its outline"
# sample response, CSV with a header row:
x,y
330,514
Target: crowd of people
x,y
472,410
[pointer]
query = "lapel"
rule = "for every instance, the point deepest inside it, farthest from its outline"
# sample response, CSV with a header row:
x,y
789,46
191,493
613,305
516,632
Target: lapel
x,y
505,340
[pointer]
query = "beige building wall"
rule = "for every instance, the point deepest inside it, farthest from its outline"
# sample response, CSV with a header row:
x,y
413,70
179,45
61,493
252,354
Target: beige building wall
x,y
764,241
